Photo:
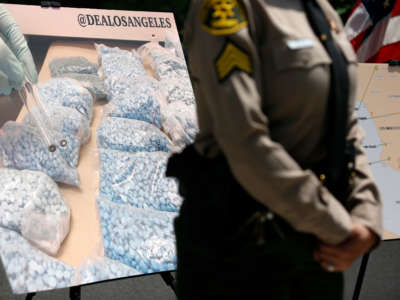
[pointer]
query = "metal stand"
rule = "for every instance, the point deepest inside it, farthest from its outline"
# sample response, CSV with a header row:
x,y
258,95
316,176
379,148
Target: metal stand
x,y
169,280
360,277
30,296
75,293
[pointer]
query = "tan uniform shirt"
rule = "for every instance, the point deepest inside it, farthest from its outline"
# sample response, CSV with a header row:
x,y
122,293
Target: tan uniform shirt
x,y
261,89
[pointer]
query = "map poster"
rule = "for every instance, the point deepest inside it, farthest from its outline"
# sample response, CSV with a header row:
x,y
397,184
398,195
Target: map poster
x,y
378,111
96,205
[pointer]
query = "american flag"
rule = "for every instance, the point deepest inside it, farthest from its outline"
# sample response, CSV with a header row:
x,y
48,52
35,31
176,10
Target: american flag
x,y
373,28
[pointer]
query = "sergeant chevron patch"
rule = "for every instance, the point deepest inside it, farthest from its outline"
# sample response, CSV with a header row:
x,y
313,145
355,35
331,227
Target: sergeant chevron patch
x,y
220,17
232,58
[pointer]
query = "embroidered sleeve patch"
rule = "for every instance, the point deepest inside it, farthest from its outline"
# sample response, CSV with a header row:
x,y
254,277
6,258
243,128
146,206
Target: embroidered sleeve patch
x,y
220,17
232,58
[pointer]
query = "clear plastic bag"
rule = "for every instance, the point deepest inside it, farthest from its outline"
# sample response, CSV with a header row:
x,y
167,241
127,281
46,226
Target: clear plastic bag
x,y
131,136
73,64
104,49
145,50
101,269
147,244
68,146
164,63
138,179
172,42
180,123
115,61
170,70
31,204
65,120
29,269
92,82
29,96
178,89
144,107
117,85
140,101
67,92
175,131
21,147
167,66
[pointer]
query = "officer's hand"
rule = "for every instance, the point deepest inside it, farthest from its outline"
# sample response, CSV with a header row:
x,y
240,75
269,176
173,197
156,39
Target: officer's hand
x,y
340,257
16,60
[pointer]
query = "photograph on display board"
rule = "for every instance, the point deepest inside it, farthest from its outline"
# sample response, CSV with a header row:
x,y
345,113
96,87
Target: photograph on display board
x,y
83,192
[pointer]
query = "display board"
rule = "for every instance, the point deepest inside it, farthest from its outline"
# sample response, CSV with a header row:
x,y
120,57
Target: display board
x,y
117,90
378,111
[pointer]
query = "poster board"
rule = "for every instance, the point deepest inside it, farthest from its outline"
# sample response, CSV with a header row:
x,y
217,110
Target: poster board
x,y
378,111
107,238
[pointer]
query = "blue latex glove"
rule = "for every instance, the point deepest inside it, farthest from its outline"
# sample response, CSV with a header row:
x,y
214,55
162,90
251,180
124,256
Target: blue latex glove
x,y
16,60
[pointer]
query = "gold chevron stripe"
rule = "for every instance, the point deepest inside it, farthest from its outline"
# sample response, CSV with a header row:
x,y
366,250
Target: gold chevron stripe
x,y
232,58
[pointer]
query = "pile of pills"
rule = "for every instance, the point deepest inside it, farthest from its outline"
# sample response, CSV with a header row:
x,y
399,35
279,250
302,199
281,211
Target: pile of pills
x,y
31,204
140,238
73,64
142,105
21,147
117,61
62,119
67,92
131,136
28,268
138,179
117,85
92,82
103,268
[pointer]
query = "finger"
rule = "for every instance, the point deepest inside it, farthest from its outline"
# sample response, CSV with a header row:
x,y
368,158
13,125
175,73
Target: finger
x,y
5,88
29,66
332,259
13,37
316,256
12,71
331,250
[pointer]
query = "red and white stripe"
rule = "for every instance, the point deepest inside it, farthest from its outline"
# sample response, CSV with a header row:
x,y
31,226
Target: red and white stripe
x,y
383,43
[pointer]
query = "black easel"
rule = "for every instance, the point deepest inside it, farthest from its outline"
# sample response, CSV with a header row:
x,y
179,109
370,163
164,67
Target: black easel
x,y
169,280
360,276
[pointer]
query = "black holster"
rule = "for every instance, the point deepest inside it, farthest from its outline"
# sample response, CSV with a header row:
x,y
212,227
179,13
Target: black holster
x,y
215,204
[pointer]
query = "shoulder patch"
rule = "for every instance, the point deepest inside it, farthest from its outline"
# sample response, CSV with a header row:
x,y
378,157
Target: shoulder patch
x,y
232,58
221,17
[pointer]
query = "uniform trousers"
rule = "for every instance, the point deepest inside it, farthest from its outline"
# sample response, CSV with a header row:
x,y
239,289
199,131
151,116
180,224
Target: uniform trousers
x,y
225,253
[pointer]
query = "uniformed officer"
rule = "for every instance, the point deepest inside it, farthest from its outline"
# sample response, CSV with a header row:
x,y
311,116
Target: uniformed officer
x,y
267,78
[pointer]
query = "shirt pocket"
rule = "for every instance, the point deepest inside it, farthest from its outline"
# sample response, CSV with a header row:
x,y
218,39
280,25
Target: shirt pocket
x,y
284,58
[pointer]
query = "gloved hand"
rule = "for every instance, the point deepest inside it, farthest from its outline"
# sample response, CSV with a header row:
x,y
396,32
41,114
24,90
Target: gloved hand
x,y
16,60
